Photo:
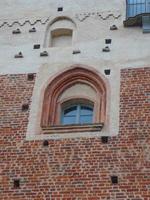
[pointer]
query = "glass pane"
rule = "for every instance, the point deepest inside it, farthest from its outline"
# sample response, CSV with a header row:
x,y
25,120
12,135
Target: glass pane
x,y
70,111
85,110
86,119
69,120
136,1
136,7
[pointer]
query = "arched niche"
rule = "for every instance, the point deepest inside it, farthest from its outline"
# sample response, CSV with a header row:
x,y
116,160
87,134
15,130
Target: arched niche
x,y
60,32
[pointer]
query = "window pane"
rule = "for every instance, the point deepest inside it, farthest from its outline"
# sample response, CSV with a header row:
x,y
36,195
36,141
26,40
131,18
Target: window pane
x,y
136,7
86,119
70,111
136,1
85,110
69,120
78,114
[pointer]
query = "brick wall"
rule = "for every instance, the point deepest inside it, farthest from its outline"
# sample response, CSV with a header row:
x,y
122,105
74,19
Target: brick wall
x,y
71,169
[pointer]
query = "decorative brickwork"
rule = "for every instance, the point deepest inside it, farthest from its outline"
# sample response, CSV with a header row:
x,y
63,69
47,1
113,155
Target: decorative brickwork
x,y
81,168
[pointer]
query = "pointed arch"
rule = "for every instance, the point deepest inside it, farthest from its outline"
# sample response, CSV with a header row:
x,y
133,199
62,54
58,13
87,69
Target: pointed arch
x,y
67,79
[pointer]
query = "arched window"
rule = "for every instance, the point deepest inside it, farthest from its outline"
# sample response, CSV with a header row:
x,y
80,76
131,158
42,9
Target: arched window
x,y
76,97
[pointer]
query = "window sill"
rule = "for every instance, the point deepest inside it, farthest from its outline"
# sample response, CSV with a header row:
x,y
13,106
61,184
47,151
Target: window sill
x,y
60,129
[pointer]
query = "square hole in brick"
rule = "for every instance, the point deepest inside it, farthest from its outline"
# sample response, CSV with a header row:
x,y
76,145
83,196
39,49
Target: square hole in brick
x,y
114,179
59,9
25,107
30,77
45,143
107,71
107,41
36,46
104,139
16,183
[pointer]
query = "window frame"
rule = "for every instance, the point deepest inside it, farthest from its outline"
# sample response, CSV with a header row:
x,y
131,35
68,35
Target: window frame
x,y
78,115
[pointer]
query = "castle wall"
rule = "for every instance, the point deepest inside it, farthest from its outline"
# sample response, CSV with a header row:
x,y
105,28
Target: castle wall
x,y
73,165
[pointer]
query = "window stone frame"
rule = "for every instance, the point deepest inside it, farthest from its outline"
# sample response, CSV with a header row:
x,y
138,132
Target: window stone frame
x,y
51,104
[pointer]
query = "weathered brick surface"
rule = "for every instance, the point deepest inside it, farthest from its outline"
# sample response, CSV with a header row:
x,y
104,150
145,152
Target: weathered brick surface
x,y
71,169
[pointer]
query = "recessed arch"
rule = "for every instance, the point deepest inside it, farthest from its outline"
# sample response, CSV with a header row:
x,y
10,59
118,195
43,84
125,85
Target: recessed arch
x,y
61,18
67,79
59,30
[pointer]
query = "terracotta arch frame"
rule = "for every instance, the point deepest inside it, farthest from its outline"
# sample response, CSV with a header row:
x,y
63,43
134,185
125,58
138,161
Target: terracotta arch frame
x,y
65,80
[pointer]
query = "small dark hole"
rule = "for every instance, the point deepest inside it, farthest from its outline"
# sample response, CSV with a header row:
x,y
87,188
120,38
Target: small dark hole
x,y
44,53
30,77
76,52
107,71
17,31
104,139
16,183
45,143
107,41
113,27
114,179
32,30
36,46
25,107
60,9
19,55
106,49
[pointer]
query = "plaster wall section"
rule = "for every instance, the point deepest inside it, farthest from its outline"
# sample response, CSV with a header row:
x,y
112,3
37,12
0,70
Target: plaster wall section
x,y
129,47
16,9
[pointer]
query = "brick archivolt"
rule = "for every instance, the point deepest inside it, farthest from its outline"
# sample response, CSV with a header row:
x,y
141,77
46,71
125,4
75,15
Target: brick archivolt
x,y
75,75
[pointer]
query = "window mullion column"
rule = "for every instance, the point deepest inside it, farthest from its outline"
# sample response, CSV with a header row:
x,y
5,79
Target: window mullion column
x,y
78,115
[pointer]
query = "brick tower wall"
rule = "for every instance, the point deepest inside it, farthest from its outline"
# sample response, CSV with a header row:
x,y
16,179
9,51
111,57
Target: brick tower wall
x,y
80,168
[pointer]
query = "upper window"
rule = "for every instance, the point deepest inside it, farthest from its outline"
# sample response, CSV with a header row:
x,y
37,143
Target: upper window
x,y
77,114
135,7
138,14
